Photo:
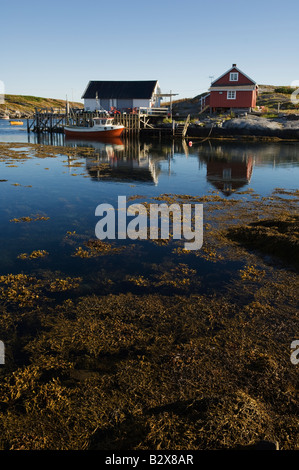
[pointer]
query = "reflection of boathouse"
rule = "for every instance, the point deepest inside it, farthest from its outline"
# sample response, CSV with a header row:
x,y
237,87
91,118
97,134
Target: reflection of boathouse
x,y
121,161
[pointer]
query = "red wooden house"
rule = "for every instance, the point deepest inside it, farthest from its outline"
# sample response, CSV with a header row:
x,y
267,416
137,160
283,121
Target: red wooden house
x,y
233,90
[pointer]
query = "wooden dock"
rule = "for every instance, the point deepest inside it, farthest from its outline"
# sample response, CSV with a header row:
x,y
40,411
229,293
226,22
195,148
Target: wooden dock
x,y
53,120
181,129
50,120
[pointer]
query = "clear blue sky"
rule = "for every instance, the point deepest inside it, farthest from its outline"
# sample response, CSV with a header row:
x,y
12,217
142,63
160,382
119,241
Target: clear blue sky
x,y
52,49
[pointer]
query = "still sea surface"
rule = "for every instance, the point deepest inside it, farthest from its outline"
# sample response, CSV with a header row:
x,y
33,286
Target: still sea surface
x,y
67,190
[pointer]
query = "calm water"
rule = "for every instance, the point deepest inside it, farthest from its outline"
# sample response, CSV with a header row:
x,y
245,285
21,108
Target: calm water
x,y
68,195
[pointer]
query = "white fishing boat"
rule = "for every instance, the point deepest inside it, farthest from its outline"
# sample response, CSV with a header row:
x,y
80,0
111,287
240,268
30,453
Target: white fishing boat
x,y
102,127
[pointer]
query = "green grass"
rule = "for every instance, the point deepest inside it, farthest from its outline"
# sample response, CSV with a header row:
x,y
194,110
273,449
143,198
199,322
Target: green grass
x,y
286,90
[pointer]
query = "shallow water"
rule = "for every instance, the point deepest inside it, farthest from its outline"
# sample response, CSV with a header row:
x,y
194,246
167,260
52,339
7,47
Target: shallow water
x,y
67,189
161,362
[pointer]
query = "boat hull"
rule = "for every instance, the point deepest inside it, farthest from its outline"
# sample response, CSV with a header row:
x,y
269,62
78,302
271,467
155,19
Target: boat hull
x,y
88,132
96,142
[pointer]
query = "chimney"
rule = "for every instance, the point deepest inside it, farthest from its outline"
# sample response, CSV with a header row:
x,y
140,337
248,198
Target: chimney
x,y
234,65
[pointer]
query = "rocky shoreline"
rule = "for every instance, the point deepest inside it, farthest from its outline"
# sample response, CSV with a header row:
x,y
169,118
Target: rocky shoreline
x,y
284,127
23,106
248,127
16,115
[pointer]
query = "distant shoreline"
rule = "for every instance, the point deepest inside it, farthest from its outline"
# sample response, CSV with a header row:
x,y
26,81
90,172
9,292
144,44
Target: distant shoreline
x,y
23,106
283,127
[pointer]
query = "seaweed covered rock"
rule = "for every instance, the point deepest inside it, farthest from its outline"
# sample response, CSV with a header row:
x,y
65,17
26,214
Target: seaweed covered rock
x,y
277,237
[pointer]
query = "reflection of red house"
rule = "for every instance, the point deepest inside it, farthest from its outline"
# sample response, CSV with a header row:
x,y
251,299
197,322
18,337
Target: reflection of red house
x,y
233,90
229,175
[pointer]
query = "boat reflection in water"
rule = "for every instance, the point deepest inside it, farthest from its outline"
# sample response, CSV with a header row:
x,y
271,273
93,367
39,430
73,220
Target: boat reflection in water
x,y
129,160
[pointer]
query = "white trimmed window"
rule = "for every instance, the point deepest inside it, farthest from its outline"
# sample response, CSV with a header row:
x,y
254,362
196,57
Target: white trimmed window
x,y
226,173
231,95
233,76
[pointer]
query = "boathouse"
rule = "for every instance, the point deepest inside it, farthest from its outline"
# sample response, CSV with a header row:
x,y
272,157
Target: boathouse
x,y
122,96
233,90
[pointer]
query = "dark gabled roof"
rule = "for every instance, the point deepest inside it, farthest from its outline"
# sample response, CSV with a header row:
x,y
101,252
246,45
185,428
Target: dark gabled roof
x,y
120,89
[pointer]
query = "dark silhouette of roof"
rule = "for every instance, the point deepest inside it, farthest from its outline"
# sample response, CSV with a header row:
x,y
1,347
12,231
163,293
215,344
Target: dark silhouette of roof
x,y
120,89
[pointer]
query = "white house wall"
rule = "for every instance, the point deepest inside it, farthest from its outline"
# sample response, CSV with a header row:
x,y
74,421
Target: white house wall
x,y
157,100
93,104
90,104
137,103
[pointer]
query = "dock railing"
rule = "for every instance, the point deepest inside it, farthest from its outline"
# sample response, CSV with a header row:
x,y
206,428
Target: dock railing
x,y
154,111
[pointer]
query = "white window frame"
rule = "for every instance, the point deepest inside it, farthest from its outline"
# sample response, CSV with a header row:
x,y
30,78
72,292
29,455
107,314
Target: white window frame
x,y
234,76
227,173
231,94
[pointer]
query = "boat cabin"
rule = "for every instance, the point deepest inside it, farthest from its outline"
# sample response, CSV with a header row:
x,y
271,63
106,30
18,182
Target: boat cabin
x,y
102,121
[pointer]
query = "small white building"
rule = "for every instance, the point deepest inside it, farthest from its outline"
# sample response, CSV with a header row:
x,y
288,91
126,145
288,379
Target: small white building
x,y
121,95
